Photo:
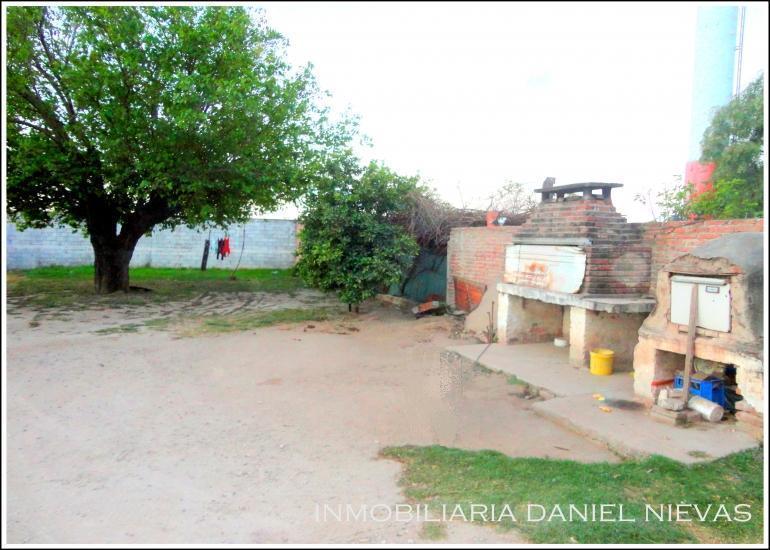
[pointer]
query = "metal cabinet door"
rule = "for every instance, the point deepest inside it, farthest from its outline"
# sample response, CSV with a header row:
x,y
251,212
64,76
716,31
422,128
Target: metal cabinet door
x,y
713,302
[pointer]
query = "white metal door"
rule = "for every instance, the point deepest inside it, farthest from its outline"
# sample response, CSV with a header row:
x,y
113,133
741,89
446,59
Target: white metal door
x,y
713,302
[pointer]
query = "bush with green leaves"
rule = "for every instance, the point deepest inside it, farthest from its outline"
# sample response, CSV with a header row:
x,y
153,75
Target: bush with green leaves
x,y
350,241
734,141
735,137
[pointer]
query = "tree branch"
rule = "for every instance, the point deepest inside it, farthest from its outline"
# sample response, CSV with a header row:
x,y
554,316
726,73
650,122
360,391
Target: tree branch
x,y
41,129
56,82
47,114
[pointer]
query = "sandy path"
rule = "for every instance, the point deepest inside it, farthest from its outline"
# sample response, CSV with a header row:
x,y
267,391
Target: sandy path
x,y
236,438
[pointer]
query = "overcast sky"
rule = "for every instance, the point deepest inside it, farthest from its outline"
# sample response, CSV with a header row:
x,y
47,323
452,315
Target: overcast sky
x,y
472,95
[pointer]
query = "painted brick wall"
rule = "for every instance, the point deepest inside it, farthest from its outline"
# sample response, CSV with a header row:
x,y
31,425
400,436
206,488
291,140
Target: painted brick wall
x,y
669,240
269,244
477,254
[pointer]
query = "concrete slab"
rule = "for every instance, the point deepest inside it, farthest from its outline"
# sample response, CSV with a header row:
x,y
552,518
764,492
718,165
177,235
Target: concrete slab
x,y
608,304
546,366
618,421
635,433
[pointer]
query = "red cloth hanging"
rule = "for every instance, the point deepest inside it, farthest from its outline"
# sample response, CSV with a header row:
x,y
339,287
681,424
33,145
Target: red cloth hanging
x,y
226,247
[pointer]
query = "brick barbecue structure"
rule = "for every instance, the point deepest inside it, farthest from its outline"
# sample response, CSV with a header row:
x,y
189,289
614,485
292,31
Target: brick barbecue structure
x,y
576,269
606,302
617,260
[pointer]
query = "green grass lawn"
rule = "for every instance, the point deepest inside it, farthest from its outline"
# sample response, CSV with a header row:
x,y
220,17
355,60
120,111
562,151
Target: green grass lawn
x,y
73,286
443,477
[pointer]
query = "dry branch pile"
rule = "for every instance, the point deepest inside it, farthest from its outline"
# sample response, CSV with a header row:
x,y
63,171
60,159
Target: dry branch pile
x,y
429,219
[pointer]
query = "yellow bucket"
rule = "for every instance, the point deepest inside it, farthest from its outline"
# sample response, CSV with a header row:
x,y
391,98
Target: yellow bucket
x,y
601,361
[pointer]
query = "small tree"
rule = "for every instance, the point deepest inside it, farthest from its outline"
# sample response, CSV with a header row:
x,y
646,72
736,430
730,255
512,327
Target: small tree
x,y
123,118
734,141
350,242
512,199
735,137
669,202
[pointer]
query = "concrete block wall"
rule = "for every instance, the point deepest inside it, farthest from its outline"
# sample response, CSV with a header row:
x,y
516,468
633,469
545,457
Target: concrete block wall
x,y
269,244
48,246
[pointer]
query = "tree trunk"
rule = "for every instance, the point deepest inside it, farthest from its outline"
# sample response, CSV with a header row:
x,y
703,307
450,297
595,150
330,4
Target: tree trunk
x,y
113,248
205,259
111,267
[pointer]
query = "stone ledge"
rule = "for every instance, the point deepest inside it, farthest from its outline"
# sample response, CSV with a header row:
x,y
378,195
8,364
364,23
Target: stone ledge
x,y
567,241
613,304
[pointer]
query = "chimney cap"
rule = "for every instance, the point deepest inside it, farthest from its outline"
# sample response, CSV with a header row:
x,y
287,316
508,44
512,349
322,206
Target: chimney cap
x,y
585,188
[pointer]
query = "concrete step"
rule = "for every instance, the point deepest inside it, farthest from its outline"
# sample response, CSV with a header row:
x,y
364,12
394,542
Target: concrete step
x,y
634,433
603,408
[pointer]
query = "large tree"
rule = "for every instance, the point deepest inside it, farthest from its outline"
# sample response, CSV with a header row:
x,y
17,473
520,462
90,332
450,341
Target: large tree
x,y
121,119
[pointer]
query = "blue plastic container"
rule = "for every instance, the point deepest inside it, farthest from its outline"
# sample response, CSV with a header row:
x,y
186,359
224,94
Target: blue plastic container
x,y
711,388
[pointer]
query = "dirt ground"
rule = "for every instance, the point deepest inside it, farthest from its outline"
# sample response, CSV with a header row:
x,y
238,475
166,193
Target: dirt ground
x,y
148,437
93,319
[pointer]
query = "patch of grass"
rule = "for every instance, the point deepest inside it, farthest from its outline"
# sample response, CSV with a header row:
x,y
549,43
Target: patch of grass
x,y
161,323
72,287
514,380
253,320
440,476
119,329
433,531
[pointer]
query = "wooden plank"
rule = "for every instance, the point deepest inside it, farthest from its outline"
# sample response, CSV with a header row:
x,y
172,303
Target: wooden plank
x,y
690,355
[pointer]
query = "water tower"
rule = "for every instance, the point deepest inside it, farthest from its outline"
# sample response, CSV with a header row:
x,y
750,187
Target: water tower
x,y
714,80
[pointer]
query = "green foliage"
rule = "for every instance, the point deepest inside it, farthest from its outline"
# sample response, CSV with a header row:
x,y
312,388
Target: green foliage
x,y
137,116
350,241
735,138
674,200
735,142
730,198
727,199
